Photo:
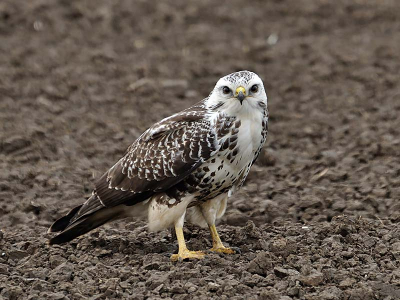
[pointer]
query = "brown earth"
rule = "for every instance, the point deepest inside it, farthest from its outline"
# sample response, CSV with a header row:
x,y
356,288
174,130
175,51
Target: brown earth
x,y
319,216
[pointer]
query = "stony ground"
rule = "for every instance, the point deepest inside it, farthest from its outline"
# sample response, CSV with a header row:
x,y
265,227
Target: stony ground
x,y
319,217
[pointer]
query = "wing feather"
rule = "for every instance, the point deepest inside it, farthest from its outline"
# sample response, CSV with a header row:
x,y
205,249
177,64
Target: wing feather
x,y
160,158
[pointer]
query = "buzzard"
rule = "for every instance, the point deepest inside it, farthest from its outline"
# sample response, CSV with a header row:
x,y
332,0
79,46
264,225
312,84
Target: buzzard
x,y
184,167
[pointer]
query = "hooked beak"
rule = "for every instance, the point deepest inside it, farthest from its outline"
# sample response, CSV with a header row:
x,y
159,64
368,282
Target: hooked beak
x,y
240,94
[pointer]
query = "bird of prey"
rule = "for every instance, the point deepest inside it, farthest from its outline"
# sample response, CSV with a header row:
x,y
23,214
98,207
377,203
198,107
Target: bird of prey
x,y
184,167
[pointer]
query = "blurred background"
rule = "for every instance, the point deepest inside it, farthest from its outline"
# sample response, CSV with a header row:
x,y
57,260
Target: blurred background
x,y
81,80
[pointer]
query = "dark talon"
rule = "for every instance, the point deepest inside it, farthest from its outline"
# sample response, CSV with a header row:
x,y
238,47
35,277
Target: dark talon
x,y
237,250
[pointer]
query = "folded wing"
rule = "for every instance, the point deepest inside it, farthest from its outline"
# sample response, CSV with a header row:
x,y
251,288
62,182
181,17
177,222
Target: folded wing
x,y
160,158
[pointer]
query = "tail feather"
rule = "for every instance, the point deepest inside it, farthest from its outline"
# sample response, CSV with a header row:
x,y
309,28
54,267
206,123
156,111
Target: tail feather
x,y
85,224
63,222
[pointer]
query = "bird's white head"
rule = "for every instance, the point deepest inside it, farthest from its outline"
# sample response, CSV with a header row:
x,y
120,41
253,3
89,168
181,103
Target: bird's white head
x,y
238,93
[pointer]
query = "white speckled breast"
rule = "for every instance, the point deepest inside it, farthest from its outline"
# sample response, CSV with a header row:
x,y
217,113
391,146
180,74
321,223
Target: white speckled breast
x,y
230,167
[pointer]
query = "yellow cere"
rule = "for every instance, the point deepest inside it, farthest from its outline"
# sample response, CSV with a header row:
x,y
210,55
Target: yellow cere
x,y
240,89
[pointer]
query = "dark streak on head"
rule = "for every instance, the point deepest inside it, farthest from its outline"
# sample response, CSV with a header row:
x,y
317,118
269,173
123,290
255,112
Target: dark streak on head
x,y
242,76
262,104
216,106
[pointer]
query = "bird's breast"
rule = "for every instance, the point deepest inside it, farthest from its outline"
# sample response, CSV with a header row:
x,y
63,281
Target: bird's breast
x,y
232,163
249,138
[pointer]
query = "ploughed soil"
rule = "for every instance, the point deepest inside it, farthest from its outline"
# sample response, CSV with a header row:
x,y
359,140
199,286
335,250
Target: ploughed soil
x,y
319,216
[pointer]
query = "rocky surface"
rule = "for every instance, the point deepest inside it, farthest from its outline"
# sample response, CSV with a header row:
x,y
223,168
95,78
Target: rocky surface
x,y
319,216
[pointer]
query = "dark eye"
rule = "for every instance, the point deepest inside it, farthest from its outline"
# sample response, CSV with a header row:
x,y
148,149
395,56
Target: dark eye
x,y
226,90
254,88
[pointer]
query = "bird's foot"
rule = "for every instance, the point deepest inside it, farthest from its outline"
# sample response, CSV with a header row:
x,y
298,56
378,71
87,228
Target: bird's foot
x,y
225,250
186,254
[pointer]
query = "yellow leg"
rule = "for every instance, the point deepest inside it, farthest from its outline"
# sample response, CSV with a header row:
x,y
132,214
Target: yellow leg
x,y
183,252
217,244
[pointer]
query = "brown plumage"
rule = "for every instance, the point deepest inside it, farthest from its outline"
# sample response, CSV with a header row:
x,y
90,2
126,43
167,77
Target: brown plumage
x,y
161,157
189,160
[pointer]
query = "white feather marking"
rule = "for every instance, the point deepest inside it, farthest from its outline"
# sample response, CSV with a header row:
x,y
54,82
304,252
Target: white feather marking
x,y
161,216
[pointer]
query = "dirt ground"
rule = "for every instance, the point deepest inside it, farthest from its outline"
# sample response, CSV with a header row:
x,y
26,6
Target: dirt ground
x,y
319,216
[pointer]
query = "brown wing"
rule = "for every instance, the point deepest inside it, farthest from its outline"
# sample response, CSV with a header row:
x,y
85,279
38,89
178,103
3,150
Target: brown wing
x,y
160,158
